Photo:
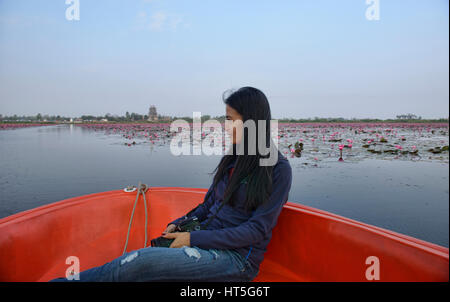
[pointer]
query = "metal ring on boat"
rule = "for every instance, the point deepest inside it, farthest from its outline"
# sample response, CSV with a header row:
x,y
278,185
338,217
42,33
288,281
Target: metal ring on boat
x,y
129,189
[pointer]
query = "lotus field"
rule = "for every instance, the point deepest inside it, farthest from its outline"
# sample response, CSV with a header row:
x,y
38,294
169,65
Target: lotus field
x,y
313,143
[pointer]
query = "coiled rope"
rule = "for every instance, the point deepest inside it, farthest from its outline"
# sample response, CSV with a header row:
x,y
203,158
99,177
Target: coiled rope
x,y
142,188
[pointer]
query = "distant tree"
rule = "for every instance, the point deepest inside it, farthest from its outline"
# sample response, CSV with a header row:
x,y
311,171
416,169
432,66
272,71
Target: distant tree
x,y
38,116
408,116
88,118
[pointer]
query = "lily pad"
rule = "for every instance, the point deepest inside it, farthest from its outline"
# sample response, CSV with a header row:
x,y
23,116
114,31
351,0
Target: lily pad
x,y
374,151
436,150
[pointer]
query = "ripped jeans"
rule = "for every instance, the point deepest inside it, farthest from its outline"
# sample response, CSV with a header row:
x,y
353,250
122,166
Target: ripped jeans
x,y
172,264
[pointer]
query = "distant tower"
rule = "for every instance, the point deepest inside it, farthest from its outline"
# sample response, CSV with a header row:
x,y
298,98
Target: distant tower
x,y
152,114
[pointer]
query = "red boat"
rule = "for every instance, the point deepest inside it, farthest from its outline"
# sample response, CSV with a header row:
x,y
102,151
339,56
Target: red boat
x,y
307,244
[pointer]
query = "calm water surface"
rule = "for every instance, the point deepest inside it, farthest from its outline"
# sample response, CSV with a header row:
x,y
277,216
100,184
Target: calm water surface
x,y
41,165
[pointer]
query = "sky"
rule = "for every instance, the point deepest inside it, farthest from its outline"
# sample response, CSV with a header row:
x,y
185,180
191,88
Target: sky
x,y
311,58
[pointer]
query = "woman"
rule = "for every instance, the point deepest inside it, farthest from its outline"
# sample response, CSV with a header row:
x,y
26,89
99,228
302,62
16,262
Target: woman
x,y
237,216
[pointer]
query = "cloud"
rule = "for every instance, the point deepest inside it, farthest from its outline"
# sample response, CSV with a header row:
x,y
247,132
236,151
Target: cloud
x,y
158,21
175,21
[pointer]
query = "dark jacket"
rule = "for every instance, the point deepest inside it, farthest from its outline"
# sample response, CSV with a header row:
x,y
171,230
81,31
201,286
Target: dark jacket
x,y
233,227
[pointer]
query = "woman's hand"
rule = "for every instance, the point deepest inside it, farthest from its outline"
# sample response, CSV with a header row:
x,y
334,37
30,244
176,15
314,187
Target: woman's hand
x,y
181,239
170,228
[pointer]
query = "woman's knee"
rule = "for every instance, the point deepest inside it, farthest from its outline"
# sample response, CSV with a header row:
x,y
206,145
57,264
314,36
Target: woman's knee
x,y
181,264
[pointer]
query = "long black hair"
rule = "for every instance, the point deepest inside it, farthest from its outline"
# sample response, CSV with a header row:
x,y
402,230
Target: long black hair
x,y
251,104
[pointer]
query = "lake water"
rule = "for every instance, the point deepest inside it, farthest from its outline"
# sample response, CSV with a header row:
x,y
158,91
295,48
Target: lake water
x,y
41,165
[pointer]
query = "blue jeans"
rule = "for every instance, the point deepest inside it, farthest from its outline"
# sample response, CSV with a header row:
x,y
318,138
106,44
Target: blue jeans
x,y
172,264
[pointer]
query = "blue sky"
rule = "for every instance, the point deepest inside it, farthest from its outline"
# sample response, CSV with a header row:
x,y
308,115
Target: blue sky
x,y
311,57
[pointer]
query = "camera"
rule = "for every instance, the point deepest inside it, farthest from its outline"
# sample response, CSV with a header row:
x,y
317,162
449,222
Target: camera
x,y
187,225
